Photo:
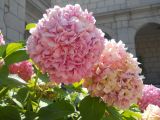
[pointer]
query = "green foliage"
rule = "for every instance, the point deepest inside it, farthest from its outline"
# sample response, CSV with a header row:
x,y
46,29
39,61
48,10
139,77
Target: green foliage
x,y
128,114
2,50
39,99
9,113
16,56
55,111
112,114
91,108
30,26
43,77
22,95
12,47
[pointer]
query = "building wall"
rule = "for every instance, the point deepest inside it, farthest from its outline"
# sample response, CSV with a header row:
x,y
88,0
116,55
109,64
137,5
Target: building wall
x,y
121,19
35,9
15,14
102,6
12,17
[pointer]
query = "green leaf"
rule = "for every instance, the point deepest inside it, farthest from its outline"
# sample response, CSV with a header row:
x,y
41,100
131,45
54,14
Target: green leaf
x,y
91,108
30,115
134,108
30,26
9,113
12,81
2,50
22,95
78,84
113,113
4,72
12,47
16,56
131,114
3,91
55,111
43,77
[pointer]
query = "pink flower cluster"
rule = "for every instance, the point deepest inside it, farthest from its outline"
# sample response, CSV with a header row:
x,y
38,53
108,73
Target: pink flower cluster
x,y
23,69
116,78
66,43
2,42
151,95
152,112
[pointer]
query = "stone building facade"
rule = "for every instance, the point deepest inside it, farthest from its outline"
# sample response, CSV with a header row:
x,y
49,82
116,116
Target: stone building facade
x,y
135,22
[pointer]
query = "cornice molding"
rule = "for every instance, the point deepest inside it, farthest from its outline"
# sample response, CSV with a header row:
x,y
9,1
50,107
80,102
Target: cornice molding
x,y
127,10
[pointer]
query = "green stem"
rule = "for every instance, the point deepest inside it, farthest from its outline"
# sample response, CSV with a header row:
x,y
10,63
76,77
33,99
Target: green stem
x,y
36,80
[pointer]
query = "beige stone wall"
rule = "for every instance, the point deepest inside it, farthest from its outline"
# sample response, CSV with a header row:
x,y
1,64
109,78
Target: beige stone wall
x,y
101,6
121,19
12,17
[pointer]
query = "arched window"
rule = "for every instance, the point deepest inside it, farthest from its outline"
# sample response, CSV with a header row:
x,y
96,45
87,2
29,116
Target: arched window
x,y
147,43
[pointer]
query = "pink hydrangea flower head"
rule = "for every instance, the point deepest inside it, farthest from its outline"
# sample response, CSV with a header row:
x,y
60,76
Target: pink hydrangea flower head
x,y
66,43
2,42
116,77
151,95
152,112
23,69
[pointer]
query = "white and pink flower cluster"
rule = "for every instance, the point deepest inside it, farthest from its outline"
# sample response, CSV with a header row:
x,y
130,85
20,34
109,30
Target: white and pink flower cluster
x,y
152,112
23,69
2,42
66,43
151,95
116,79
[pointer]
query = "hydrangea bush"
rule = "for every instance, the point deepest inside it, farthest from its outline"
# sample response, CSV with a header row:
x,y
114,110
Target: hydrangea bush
x,y
67,70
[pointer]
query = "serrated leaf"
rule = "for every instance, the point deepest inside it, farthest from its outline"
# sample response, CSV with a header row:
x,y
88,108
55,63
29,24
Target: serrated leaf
x,y
91,108
30,26
55,111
